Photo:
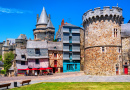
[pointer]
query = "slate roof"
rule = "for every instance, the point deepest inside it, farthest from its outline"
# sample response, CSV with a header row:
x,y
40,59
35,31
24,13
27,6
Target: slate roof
x,y
55,46
125,30
70,25
20,52
1,63
37,44
43,17
50,25
11,68
22,36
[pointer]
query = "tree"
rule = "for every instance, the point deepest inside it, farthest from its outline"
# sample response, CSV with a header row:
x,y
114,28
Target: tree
x,y
0,57
8,57
54,40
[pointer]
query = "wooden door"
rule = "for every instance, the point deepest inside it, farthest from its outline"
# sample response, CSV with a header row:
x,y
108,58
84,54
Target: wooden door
x,y
117,70
126,70
55,63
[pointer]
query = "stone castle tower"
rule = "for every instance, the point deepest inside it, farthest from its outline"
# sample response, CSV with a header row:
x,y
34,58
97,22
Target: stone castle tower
x,y
103,41
44,27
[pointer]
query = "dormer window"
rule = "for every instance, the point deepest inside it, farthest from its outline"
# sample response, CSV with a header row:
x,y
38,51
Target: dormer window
x,y
37,51
22,56
55,47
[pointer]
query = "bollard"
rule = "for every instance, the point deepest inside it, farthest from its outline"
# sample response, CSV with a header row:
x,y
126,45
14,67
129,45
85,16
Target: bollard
x,y
15,84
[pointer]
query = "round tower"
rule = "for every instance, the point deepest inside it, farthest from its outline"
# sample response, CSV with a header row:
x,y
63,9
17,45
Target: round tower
x,y
103,41
44,27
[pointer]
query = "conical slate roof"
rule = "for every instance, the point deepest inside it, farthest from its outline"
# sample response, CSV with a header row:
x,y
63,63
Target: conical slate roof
x,y
43,17
22,36
50,25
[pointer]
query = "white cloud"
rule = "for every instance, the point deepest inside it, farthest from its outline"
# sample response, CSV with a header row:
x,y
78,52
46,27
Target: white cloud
x,y
12,10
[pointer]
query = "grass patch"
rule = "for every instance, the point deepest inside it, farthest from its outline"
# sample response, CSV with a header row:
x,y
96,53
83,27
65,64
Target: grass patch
x,y
77,86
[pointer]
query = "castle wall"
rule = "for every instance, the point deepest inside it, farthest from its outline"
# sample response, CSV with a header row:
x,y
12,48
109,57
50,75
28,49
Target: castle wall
x,y
126,52
103,41
81,49
102,63
44,35
102,33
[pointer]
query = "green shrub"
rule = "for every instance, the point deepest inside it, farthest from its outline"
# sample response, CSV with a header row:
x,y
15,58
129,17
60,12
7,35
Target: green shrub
x,y
3,71
8,57
54,40
0,57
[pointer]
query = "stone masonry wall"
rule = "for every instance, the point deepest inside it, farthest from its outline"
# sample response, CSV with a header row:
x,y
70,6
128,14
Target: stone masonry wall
x,y
126,52
102,33
81,49
102,63
103,41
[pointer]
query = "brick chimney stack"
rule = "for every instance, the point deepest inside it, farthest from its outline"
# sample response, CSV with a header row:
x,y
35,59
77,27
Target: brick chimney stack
x,y
8,42
62,22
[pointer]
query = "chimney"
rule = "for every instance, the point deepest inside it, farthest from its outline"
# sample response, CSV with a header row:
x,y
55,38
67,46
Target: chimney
x,y
3,42
37,17
49,16
62,22
8,42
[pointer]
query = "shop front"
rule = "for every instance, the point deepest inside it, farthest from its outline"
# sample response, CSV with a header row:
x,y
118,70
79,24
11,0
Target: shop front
x,y
71,66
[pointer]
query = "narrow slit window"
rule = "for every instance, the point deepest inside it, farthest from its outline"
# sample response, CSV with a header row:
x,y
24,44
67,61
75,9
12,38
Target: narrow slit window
x,y
103,49
119,50
116,32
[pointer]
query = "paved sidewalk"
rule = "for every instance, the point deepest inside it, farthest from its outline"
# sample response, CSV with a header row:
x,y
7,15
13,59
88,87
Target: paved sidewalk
x,y
71,77
90,78
37,79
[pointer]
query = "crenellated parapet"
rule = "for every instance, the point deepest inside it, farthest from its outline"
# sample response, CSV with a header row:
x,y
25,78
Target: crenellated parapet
x,y
106,11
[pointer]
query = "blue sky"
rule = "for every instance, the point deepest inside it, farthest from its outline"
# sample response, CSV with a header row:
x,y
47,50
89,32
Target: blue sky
x,y
19,16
